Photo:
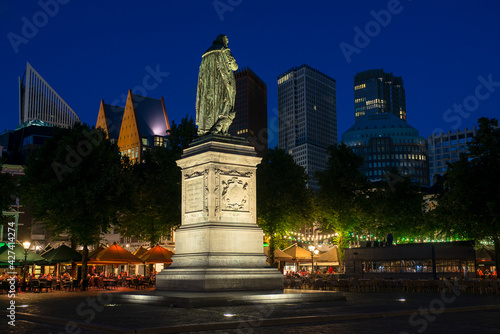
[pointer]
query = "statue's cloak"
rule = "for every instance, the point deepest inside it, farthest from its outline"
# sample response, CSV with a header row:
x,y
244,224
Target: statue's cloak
x,y
216,88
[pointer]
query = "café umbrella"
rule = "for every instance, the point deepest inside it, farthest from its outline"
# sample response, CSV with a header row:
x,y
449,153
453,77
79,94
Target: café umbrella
x,y
115,254
61,254
279,255
298,254
140,251
16,256
157,254
95,252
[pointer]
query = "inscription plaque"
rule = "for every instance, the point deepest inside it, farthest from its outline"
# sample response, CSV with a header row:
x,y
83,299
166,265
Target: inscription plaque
x,y
194,194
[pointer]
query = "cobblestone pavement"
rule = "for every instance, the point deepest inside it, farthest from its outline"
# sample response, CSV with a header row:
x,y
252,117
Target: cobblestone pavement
x,y
92,312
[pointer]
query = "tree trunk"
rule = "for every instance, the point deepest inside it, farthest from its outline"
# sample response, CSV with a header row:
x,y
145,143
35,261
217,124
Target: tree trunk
x,y
272,247
85,258
497,253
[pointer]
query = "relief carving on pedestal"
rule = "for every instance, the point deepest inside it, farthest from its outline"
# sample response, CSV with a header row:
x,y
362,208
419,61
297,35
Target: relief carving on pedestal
x,y
234,195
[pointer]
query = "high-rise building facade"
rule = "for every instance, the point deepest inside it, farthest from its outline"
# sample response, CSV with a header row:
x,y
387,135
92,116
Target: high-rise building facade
x,y
38,101
250,106
378,92
446,148
387,142
307,114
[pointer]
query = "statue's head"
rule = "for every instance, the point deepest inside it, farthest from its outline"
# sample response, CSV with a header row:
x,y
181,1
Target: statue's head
x,y
221,39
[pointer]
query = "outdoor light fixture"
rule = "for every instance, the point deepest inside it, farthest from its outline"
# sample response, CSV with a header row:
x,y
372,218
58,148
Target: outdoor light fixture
x,y
26,246
313,251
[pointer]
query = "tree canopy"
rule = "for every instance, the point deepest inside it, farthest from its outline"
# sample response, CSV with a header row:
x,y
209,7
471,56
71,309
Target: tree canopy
x,y
7,190
470,203
396,206
154,201
75,184
342,194
284,202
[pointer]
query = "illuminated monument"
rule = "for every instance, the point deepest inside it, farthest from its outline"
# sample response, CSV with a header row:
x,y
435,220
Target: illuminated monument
x,y
219,246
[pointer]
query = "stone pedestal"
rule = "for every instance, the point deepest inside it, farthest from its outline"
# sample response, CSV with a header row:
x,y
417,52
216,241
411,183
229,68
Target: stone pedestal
x,y
219,246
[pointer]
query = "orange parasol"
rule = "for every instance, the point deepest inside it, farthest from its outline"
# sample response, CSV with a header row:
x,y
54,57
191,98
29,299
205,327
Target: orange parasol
x,y
115,254
157,254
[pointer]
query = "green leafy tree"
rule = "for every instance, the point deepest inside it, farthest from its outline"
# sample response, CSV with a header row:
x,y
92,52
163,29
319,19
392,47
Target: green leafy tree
x,y
7,191
470,203
154,203
181,135
396,206
75,184
342,195
283,201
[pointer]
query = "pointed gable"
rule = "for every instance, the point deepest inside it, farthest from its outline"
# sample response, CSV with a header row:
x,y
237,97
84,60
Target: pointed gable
x,y
151,115
129,139
101,119
110,119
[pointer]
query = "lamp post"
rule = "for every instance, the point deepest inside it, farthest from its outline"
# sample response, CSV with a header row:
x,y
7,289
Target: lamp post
x,y
313,251
26,246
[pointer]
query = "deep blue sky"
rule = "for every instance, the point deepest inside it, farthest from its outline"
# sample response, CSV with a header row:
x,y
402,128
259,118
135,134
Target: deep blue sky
x,y
93,50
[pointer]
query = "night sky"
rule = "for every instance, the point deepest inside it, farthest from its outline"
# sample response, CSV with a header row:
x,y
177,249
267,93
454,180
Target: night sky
x,y
446,52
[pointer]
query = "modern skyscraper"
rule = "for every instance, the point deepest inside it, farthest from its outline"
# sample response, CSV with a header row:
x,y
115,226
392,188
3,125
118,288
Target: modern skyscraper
x,y
386,142
250,106
307,115
446,147
378,92
38,101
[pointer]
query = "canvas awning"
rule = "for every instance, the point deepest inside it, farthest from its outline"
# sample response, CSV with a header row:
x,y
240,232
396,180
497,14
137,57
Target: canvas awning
x,y
157,254
330,257
95,252
279,255
140,251
115,254
18,256
485,255
62,254
298,254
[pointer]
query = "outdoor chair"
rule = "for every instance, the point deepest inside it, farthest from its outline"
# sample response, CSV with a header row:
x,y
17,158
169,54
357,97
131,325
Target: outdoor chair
x,y
494,286
484,287
5,285
35,285
53,285
354,285
44,284
75,284
145,282
318,284
136,283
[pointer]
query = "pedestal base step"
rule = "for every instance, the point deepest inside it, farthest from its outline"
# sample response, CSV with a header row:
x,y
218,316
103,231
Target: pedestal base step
x,y
232,298
219,279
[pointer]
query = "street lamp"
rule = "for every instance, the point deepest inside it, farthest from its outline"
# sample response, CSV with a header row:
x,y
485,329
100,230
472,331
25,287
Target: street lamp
x,y
26,246
313,251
